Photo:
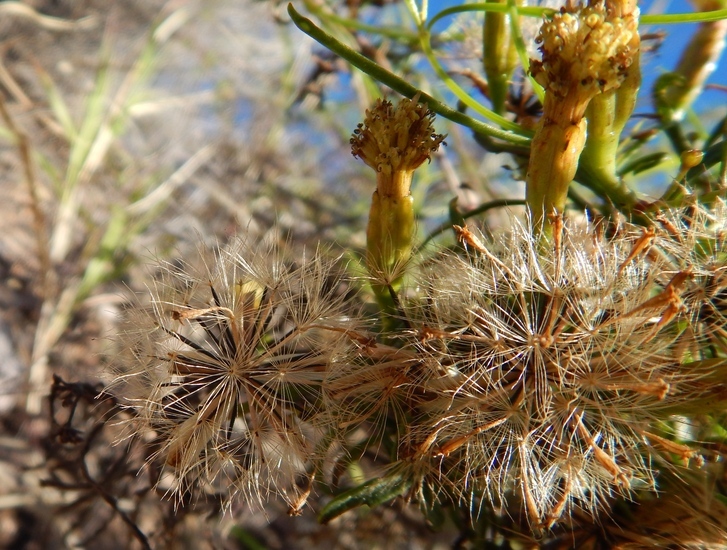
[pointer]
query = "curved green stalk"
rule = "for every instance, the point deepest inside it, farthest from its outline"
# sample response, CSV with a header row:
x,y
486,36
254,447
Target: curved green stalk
x,y
398,84
414,12
676,18
514,11
396,33
528,11
461,94
533,11
521,48
497,203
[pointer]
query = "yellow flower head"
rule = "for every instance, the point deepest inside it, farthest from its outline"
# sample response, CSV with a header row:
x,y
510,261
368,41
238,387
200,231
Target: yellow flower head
x,y
585,48
393,139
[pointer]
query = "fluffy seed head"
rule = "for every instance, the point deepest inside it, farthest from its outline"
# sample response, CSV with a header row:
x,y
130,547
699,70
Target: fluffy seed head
x,y
545,370
227,366
693,240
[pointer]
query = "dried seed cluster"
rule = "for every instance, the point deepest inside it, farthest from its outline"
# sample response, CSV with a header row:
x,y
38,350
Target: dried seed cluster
x,y
228,365
545,372
530,377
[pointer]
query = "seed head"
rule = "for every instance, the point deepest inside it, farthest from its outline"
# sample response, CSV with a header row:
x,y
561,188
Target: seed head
x,y
227,369
693,240
544,370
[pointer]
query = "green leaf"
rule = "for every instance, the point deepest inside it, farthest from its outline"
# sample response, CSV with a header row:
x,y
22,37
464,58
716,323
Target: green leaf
x,y
372,493
641,164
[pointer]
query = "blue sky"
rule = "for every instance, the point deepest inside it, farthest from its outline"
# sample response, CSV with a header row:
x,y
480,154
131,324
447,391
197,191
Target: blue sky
x,y
668,55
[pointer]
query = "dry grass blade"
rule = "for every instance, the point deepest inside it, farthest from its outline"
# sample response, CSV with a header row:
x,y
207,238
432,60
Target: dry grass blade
x,y
105,114
19,9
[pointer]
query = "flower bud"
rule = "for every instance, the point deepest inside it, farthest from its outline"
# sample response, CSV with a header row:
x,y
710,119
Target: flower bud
x,y
586,51
394,141
500,55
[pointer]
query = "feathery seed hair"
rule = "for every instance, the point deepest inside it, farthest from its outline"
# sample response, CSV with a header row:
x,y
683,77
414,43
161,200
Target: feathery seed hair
x,y
545,369
227,369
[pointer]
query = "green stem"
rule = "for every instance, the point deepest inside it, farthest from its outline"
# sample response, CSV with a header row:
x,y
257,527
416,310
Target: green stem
x,y
498,203
398,84
389,238
522,49
680,18
397,33
597,164
500,56
529,11
461,94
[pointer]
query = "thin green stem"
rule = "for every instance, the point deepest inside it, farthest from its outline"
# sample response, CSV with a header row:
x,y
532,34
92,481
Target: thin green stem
x,y
498,203
396,33
521,48
398,84
414,11
677,18
461,94
500,57
528,11
533,11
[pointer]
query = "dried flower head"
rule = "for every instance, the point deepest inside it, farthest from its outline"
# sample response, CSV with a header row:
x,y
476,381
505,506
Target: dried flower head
x,y
227,369
396,139
546,370
585,50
